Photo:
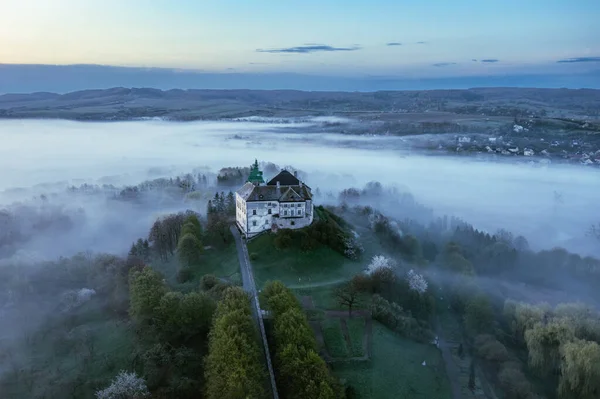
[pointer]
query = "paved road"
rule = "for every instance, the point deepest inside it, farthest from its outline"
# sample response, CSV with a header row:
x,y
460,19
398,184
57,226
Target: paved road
x,y
451,368
250,287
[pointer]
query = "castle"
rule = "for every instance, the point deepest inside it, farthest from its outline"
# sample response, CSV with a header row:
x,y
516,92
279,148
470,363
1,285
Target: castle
x,y
284,202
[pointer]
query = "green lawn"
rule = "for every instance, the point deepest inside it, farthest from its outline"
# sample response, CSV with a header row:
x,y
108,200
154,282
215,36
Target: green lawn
x,y
334,338
396,371
296,268
356,330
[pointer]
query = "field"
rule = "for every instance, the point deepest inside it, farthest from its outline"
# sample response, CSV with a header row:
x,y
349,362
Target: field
x,y
296,268
334,338
394,367
356,330
396,370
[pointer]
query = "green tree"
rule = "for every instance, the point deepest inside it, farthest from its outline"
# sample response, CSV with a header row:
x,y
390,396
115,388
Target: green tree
x,y
146,290
233,366
181,318
189,249
479,316
543,344
192,226
580,370
300,372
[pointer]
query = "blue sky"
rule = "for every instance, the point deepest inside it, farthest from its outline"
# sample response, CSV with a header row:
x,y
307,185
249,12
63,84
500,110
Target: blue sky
x,y
429,38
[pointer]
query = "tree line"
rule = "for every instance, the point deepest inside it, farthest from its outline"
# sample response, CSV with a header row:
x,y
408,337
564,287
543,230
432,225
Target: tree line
x,y
300,372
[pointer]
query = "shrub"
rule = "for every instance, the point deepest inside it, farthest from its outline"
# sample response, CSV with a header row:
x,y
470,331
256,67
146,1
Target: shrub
x,y
393,316
490,349
283,239
208,281
253,256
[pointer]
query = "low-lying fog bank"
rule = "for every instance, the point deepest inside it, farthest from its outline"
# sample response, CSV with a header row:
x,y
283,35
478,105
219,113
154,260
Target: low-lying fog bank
x,y
550,205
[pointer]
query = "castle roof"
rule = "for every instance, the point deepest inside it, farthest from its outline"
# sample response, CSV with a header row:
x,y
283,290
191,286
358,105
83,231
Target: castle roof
x,y
249,192
284,178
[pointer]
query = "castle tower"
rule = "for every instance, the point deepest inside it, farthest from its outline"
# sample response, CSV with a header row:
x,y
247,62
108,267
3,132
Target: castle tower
x,y
256,175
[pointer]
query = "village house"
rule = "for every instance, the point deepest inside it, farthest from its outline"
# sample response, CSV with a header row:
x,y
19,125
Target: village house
x,y
284,202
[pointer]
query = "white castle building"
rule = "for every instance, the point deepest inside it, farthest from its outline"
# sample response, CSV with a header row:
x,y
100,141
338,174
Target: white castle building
x,y
282,203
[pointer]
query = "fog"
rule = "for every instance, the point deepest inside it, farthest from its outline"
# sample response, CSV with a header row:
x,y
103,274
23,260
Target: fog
x,y
551,205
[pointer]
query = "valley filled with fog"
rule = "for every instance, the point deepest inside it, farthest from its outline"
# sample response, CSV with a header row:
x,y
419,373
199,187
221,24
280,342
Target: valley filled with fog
x,y
551,205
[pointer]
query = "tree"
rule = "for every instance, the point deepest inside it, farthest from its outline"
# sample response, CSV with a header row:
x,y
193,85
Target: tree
x,y
181,318
416,282
125,386
192,226
234,367
478,315
348,295
189,249
300,371
146,290
543,344
362,282
580,370
379,262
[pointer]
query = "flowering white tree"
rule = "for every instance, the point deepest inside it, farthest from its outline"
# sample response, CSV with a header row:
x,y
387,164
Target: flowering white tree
x,y
416,281
379,262
125,386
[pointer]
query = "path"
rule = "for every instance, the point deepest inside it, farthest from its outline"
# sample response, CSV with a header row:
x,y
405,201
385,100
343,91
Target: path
x,y
250,287
451,368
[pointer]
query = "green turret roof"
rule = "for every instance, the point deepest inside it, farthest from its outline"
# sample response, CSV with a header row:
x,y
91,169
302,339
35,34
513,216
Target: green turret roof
x,y
256,175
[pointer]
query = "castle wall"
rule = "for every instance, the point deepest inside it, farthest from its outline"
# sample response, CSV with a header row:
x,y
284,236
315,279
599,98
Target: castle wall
x,y
257,216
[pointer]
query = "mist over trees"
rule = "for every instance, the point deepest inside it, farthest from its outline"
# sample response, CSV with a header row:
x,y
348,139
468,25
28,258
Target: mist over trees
x,y
112,313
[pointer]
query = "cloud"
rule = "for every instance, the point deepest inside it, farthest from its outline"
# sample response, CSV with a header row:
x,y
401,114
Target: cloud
x,y
474,60
308,49
579,59
393,44
444,64
421,42
490,60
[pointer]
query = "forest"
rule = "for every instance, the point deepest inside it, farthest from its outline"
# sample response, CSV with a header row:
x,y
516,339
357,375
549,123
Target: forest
x,y
169,321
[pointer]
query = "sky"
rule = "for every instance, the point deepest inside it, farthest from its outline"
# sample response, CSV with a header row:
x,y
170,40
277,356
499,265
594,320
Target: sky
x,y
411,38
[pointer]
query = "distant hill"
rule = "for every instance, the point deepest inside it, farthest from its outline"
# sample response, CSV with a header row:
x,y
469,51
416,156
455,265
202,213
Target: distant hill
x,y
17,78
435,110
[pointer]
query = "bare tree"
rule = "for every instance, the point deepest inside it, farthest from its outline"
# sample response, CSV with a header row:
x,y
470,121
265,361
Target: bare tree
x,y
348,295
594,231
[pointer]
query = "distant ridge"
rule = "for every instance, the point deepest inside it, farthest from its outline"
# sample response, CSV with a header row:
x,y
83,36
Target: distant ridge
x,y
35,78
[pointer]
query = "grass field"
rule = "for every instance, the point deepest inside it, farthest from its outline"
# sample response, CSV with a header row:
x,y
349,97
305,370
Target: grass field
x,y
356,330
297,268
396,369
334,338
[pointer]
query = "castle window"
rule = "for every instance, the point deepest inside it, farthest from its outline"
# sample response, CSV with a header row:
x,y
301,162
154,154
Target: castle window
x,y
299,212
254,223
269,211
285,213
254,211
293,223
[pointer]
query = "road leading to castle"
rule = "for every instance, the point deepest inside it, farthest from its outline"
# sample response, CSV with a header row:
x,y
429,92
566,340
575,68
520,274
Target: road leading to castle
x,y
250,287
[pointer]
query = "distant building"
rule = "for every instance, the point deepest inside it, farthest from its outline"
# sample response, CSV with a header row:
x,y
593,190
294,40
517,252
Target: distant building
x,y
284,202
